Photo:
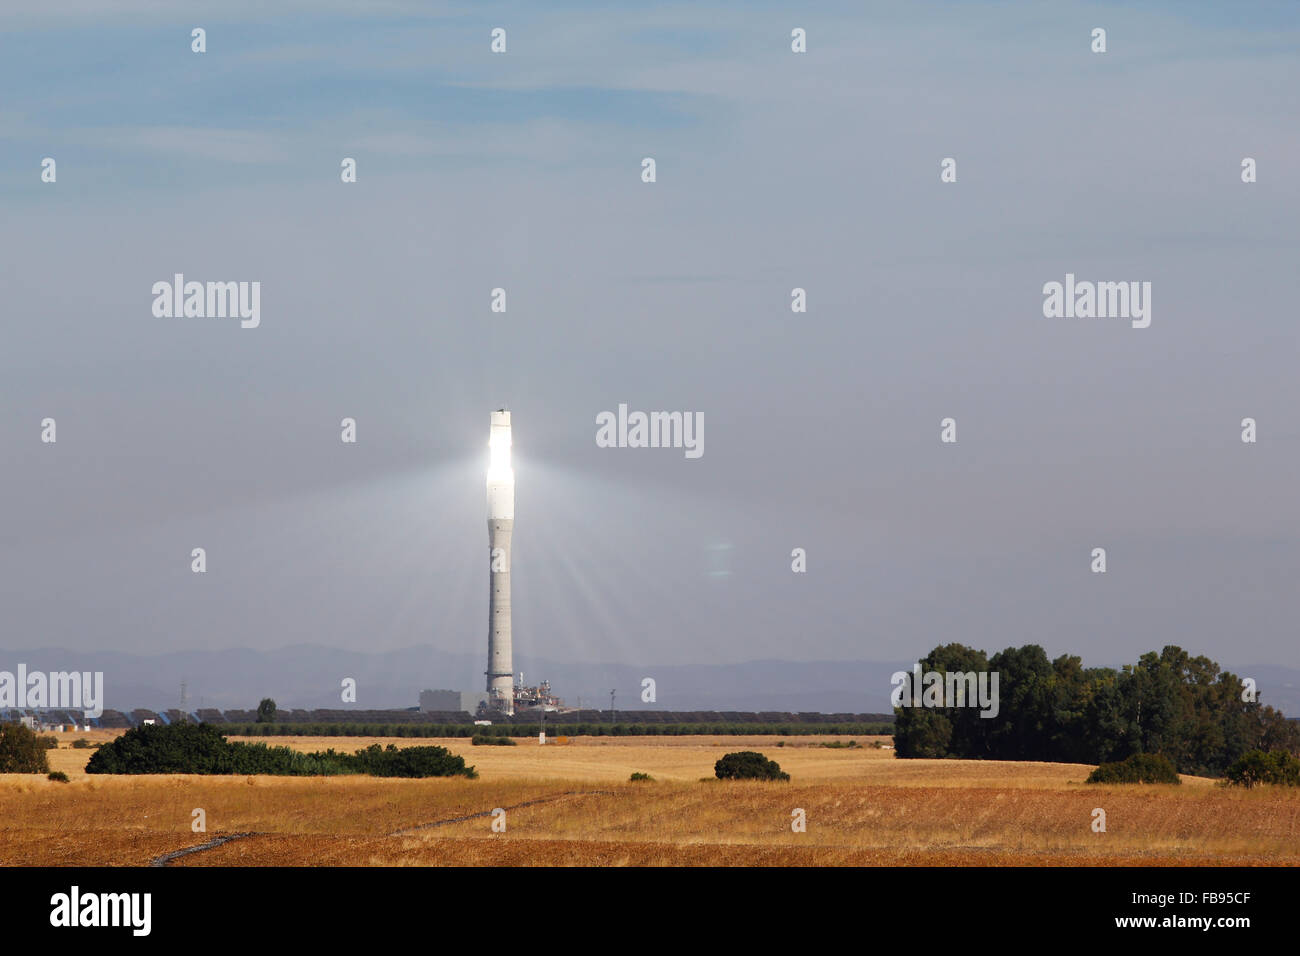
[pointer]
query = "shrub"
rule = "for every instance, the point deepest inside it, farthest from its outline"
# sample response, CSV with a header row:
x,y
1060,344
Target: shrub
x,y
49,743
1139,768
411,762
1258,766
81,743
639,776
201,749
21,751
152,748
748,765
492,740
59,776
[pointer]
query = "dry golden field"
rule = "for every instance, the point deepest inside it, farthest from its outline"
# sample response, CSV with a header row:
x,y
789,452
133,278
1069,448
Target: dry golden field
x,y
573,805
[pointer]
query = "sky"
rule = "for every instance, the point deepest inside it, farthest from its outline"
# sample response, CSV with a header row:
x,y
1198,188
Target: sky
x,y
774,170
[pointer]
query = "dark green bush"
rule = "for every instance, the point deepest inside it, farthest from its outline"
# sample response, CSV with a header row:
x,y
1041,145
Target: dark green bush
x,y
81,743
394,761
58,776
21,751
153,748
1139,768
1257,766
640,776
201,749
748,765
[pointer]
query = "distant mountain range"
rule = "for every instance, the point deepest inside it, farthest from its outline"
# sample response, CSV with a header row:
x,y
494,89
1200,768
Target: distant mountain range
x,y
309,676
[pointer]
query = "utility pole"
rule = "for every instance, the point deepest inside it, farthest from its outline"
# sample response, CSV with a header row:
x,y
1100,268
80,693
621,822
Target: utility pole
x,y
611,707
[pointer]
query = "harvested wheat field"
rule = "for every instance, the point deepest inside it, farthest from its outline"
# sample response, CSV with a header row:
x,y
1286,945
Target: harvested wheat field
x,y
572,804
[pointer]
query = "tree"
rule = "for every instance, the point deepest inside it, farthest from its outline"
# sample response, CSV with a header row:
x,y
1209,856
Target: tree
x,y
21,751
948,730
1258,767
922,733
1275,732
1025,716
748,765
266,711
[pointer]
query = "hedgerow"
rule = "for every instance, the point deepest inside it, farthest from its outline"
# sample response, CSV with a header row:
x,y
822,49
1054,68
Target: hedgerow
x,y
203,749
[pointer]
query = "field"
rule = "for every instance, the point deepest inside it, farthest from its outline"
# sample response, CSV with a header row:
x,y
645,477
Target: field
x,y
572,804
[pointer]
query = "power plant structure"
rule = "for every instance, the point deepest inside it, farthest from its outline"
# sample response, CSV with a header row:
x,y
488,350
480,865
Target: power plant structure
x,y
501,523
504,698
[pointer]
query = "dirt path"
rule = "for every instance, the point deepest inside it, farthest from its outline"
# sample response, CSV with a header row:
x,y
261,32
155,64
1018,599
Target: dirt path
x,y
176,854
488,813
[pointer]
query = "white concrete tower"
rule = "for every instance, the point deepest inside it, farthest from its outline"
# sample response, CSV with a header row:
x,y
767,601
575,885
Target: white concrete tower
x,y
501,522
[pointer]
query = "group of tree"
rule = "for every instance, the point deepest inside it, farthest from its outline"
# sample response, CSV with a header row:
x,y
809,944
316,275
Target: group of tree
x,y
1181,707
530,729
201,749
268,712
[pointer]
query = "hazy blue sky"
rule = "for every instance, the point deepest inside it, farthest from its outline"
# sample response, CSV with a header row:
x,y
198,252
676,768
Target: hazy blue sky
x,y
775,170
